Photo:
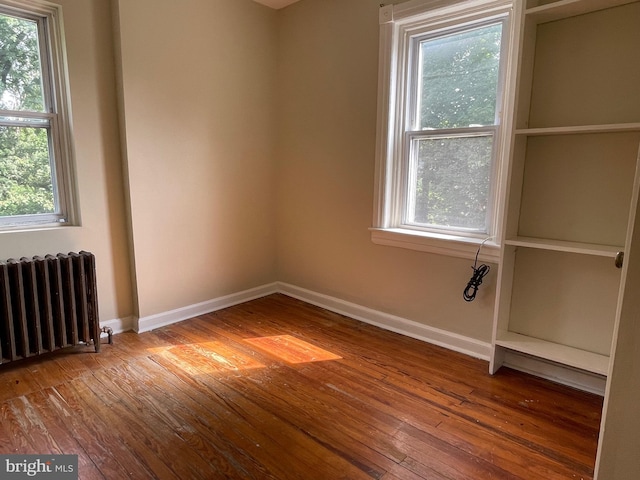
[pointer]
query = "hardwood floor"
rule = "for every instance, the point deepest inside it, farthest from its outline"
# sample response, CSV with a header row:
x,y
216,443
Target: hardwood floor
x,y
278,389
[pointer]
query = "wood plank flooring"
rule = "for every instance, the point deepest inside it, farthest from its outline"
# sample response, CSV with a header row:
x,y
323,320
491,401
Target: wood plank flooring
x,y
278,389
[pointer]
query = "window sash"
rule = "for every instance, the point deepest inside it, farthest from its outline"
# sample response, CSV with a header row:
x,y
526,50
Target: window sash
x,y
406,128
414,79
399,24
408,197
56,116
15,118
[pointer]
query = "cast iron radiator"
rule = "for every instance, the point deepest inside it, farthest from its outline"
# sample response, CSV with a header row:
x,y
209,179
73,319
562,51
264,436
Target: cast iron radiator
x,y
47,304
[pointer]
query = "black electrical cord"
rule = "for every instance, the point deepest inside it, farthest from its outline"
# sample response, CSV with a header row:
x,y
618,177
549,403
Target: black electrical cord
x,y
479,273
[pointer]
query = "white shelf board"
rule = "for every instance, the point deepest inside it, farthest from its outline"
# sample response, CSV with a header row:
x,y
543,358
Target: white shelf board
x,y
570,8
579,129
609,251
555,352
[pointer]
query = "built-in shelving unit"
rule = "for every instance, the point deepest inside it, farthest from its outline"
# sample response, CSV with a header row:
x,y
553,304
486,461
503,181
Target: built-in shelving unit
x,y
574,157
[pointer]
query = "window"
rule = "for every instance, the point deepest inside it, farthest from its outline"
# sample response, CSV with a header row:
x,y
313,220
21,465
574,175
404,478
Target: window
x,y
442,80
35,144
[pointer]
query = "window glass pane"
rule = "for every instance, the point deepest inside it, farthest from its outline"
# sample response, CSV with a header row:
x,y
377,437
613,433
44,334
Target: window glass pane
x,y
459,79
20,72
26,185
450,182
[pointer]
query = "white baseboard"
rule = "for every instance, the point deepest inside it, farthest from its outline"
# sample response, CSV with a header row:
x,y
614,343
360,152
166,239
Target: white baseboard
x,y
145,324
452,341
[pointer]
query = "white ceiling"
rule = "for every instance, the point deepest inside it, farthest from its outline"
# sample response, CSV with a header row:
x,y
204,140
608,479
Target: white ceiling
x,y
276,3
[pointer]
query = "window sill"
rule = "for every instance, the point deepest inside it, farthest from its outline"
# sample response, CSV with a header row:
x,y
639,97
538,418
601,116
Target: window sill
x,y
451,245
34,227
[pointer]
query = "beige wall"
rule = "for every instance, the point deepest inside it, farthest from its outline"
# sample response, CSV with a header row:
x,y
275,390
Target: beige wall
x,y
98,164
197,79
248,140
328,51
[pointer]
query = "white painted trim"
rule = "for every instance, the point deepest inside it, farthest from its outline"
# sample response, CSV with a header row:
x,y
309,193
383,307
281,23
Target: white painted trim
x,y
580,379
399,24
151,322
439,11
462,247
452,341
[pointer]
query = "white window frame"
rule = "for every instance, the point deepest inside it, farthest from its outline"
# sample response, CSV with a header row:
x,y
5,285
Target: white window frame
x,y
399,25
57,98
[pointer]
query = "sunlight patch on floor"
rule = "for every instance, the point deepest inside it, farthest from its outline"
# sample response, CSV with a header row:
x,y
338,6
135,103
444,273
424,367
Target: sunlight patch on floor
x,y
218,356
291,349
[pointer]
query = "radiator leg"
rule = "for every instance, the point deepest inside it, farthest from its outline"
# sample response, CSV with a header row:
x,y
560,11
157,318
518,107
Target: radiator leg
x,y
109,332
97,342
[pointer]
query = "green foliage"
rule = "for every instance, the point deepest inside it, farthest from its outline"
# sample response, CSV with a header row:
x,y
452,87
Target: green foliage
x,y
452,181
460,79
25,173
20,78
